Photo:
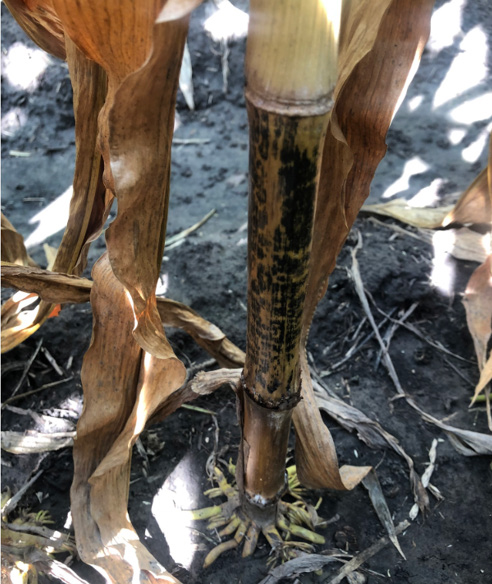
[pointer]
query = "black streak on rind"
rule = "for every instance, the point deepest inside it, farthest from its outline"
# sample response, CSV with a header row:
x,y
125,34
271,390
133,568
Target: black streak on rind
x,y
280,234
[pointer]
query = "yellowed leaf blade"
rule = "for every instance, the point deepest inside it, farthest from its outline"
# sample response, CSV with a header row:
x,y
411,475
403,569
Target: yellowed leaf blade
x,y
425,217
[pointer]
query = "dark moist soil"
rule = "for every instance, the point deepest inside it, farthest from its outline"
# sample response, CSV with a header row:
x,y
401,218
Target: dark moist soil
x,y
208,272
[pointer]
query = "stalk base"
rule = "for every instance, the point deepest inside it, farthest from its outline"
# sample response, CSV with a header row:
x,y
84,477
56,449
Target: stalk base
x,y
278,521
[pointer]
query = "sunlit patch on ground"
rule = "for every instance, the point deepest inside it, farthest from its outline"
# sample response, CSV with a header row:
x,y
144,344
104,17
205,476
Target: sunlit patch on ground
x,y
51,219
23,66
179,493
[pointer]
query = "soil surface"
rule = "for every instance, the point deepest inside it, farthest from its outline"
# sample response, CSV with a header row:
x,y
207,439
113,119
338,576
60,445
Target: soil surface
x,y
434,151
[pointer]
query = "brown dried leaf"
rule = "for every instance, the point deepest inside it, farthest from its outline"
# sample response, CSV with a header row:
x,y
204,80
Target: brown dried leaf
x,y
59,288
462,243
136,123
52,287
119,398
316,459
31,442
478,306
485,377
13,248
90,202
206,334
475,204
40,22
379,45
372,433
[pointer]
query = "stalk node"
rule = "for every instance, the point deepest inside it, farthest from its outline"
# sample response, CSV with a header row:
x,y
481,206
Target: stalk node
x,y
281,404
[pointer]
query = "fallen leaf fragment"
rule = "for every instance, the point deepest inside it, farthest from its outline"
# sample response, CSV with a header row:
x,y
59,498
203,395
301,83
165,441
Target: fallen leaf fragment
x,y
424,217
35,442
378,500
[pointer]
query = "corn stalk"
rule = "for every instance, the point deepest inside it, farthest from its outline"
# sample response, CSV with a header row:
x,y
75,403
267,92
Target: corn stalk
x,y
290,76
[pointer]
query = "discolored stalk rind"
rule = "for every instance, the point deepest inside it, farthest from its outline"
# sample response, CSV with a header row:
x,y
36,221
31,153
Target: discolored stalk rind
x,y
290,74
284,171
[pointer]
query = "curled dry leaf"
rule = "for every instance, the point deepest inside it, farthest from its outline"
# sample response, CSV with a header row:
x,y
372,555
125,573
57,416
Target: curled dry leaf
x,y
373,434
478,306
378,500
59,288
378,42
372,36
119,399
13,248
52,287
135,128
316,459
31,442
475,204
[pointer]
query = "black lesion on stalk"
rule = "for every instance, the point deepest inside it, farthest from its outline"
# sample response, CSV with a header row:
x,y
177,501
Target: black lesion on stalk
x,y
280,266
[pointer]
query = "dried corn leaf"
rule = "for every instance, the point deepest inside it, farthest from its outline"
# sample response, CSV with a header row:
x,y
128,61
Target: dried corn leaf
x,y
478,306
90,202
135,126
119,398
379,44
485,378
20,540
52,287
462,243
32,442
206,334
371,483
13,248
40,22
58,288
20,319
316,459
370,432
424,217
475,204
